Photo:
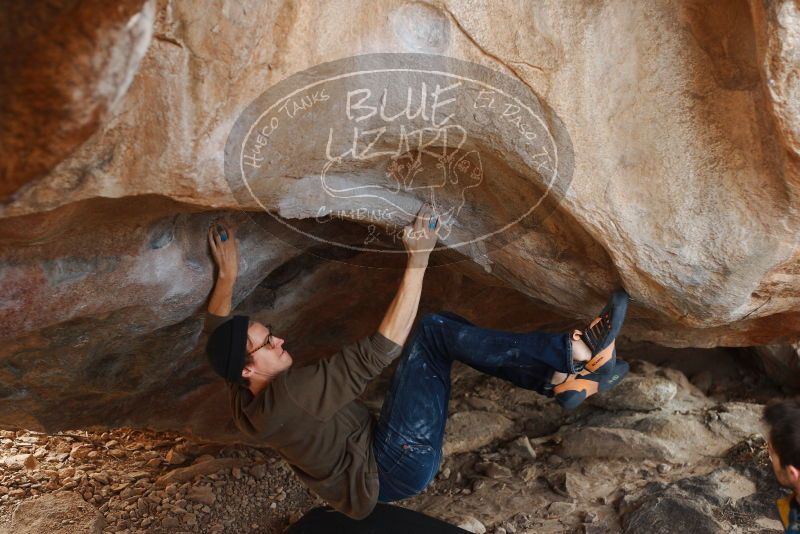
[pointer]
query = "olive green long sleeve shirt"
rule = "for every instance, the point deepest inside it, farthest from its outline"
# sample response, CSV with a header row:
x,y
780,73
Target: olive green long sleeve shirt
x,y
311,417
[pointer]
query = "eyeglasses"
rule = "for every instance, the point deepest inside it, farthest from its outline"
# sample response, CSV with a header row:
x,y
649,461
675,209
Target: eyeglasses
x,y
267,342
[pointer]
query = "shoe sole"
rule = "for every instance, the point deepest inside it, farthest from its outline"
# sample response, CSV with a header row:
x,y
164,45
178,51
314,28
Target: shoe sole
x,y
573,392
619,306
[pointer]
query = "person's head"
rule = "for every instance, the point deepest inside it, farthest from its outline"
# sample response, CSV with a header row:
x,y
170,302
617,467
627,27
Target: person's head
x,y
265,356
783,419
245,352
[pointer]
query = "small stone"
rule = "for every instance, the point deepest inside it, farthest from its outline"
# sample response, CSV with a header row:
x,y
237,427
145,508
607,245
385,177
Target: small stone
x,y
100,477
626,503
236,472
21,461
554,460
445,474
66,472
522,448
79,452
31,462
202,494
116,488
259,471
170,522
471,524
173,457
529,473
560,509
565,483
58,457
493,470
590,517
664,468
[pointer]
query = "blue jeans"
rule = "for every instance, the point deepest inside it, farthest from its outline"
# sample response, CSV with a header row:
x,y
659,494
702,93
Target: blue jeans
x,y
407,441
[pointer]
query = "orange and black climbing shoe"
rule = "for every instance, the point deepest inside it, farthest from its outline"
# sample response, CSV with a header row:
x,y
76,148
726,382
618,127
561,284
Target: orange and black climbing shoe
x,y
578,387
600,373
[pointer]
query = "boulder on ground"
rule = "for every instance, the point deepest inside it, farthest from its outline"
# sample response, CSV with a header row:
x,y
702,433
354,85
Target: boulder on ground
x,y
62,512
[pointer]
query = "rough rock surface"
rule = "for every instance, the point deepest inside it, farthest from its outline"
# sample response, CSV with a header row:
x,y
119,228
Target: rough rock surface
x,y
781,363
702,504
683,121
72,62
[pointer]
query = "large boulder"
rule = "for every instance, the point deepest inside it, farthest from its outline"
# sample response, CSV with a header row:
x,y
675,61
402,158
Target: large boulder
x,y
678,123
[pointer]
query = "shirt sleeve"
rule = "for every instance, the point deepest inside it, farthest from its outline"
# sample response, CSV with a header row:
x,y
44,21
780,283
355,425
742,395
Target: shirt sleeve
x,y
323,388
213,321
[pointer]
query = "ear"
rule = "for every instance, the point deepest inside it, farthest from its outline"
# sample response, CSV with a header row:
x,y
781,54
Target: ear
x,y
246,372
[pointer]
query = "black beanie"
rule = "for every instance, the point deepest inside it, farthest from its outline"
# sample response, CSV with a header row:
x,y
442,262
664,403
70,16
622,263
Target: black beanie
x,y
226,348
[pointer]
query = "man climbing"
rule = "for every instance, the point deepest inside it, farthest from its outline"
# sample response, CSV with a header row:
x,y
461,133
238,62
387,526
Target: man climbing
x,y
783,444
310,414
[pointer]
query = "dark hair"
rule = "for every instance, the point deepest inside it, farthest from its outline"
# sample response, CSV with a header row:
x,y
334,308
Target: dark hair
x,y
783,419
248,358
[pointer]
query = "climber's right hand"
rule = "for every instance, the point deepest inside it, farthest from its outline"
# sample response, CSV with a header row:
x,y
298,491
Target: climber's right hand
x,y
419,237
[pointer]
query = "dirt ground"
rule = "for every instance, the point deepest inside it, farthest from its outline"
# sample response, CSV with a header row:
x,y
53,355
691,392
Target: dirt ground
x,y
620,465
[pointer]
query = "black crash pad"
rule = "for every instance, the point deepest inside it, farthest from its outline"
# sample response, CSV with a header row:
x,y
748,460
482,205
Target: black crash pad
x,y
384,519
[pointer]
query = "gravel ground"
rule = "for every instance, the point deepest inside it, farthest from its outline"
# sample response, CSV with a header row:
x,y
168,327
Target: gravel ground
x,y
512,478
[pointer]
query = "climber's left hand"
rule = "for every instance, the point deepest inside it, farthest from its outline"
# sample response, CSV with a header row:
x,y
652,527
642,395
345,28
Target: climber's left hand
x,y
225,249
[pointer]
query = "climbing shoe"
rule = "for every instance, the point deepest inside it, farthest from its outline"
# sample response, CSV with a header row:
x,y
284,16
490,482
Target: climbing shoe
x,y
598,373
578,387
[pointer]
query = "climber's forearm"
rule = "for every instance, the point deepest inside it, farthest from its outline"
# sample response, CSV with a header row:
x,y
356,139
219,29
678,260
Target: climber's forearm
x,y
399,318
221,296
